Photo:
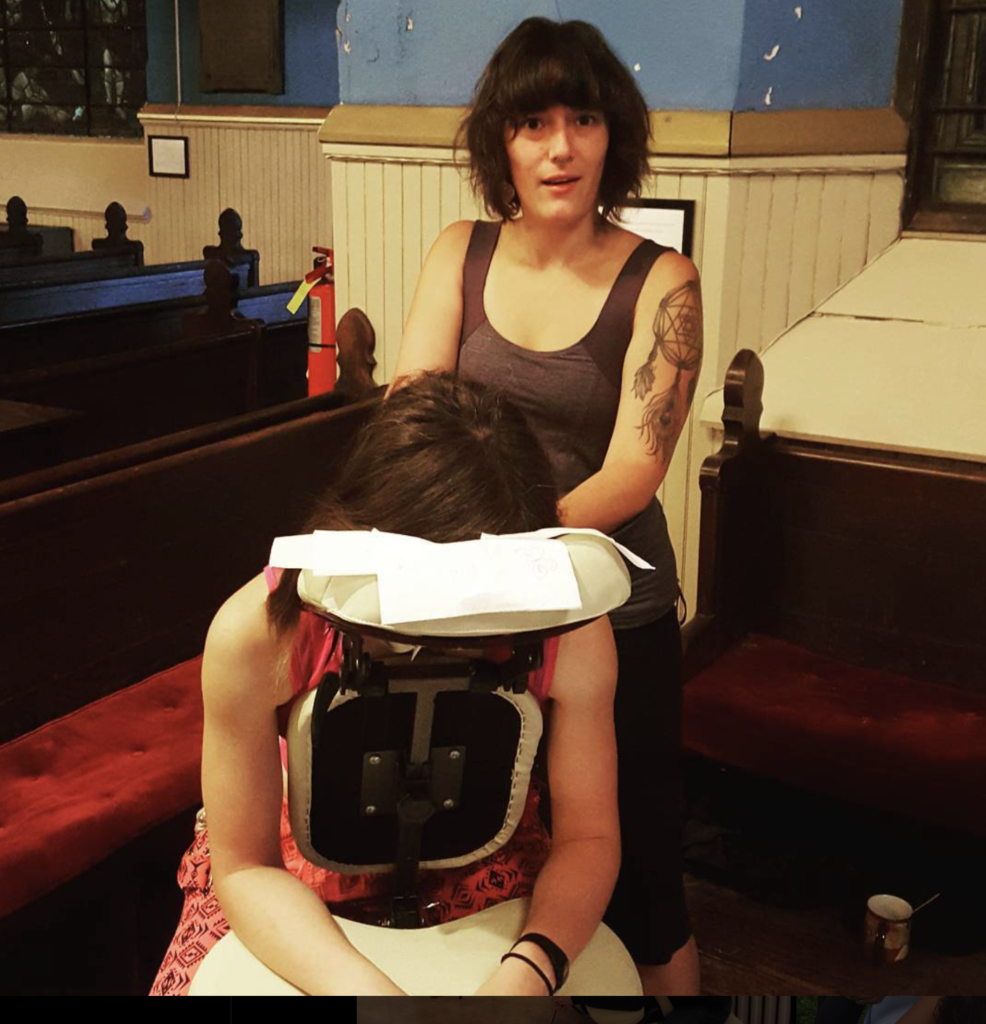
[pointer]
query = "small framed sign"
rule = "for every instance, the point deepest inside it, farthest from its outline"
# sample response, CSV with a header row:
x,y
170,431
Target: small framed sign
x,y
167,156
665,221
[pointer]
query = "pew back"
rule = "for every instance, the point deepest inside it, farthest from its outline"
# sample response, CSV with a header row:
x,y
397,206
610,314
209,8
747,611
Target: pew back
x,y
98,332
116,576
33,300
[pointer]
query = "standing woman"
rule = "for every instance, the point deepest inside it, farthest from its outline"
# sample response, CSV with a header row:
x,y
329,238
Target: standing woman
x,y
596,335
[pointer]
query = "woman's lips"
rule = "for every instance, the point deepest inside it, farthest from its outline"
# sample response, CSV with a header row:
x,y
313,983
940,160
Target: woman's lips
x,y
561,187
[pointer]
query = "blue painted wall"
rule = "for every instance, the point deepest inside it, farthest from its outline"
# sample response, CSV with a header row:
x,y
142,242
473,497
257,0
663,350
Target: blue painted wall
x,y
311,64
685,54
692,54
839,53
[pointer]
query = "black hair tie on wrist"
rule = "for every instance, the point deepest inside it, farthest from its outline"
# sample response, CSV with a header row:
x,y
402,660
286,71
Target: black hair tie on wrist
x,y
544,977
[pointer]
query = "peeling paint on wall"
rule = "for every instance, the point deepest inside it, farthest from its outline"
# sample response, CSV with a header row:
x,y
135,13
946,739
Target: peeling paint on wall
x,y
797,13
773,53
766,98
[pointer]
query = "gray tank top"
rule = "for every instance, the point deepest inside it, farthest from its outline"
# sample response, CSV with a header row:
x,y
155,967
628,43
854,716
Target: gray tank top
x,y
570,398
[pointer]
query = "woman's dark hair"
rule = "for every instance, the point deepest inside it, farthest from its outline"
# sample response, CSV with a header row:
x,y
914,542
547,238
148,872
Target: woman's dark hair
x,y
543,63
961,1010
442,458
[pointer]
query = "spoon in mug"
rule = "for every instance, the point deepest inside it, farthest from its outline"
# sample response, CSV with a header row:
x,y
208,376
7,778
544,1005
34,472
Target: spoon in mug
x,y
926,902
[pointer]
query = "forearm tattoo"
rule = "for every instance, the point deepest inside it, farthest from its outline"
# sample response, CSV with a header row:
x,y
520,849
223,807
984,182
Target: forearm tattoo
x,y
678,339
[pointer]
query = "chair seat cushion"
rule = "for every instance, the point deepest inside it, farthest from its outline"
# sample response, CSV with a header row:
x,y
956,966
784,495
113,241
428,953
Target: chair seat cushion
x,y
876,738
82,786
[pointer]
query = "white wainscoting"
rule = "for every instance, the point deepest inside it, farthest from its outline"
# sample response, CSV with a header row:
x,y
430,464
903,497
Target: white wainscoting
x,y
774,236
269,169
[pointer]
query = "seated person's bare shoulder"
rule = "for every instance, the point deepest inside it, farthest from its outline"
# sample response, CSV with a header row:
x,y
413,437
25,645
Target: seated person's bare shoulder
x,y
585,672
244,656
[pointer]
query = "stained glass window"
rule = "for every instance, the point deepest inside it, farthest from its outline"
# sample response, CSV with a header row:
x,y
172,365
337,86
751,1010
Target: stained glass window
x,y
72,67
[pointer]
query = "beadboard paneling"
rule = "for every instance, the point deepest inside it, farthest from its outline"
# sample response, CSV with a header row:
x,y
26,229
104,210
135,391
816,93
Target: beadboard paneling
x,y
774,237
273,175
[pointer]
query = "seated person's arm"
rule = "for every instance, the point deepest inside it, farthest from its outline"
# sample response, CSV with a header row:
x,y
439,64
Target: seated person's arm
x,y
275,915
431,334
574,887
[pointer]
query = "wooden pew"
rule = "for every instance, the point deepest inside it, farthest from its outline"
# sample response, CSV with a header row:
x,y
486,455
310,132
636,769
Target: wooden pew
x,y
97,332
222,366
118,574
39,264
40,289
17,242
56,241
838,643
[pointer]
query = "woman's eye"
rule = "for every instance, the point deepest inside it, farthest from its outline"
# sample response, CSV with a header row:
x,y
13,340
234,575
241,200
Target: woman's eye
x,y
587,119
532,123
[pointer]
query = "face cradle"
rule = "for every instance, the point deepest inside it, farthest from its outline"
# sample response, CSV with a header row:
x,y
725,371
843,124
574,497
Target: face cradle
x,y
556,161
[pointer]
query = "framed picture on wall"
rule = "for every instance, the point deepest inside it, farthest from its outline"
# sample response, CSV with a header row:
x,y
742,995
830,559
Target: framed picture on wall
x,y
167,156
665,221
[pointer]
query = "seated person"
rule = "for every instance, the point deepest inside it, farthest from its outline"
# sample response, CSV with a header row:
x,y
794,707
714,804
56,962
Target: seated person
x,y
445,460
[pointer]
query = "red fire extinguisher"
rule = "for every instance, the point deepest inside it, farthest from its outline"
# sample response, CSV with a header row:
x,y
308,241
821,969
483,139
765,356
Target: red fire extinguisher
x,y
322,325
319,287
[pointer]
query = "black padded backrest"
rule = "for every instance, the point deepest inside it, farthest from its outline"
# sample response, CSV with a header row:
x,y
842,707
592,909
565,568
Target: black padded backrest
x,y
484,728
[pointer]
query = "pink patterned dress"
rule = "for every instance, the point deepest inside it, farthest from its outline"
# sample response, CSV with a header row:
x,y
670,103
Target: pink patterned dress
x,y
508,874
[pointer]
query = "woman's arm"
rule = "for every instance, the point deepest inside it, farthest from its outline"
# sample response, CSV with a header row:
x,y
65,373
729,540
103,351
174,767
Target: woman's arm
x,y
276,916
431,334
574,887
660,374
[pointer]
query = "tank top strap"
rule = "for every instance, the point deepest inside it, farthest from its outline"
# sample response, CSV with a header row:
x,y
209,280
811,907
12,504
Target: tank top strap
x,y
609,338
479,255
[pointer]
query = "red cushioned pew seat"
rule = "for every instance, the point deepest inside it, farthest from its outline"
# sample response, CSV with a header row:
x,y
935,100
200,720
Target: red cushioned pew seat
x,y
82,786
868,736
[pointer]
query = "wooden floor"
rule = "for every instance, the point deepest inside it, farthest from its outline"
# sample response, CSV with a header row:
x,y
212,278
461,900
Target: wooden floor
x,y
746,948
778,884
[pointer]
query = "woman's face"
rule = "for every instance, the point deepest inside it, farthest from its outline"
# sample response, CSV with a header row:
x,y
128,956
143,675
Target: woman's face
x,y
556,161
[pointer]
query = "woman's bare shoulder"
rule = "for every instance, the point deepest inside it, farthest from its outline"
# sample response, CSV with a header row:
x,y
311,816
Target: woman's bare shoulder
x,y
244,655
452,242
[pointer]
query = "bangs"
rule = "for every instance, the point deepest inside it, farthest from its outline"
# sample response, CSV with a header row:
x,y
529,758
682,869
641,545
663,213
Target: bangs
x,y
548,77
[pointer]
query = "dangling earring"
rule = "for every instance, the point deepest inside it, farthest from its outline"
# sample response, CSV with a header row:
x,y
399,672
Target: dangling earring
x,y
511,198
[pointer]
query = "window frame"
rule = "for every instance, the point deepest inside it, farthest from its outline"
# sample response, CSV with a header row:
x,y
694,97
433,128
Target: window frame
x,y
919,51
89,30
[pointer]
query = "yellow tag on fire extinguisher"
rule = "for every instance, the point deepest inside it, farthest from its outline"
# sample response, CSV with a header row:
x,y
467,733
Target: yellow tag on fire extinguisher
x,y
301,294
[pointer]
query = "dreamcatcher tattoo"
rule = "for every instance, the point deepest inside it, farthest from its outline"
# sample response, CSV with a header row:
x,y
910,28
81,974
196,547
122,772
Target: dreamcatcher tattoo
x,y
678,338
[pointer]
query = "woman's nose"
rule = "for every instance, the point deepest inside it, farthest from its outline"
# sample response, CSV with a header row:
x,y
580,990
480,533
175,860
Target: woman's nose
x,y
561,144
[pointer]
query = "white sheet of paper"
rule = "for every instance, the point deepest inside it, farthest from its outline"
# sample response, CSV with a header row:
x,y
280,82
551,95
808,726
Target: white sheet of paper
x,y
291,552
557,531
469,577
